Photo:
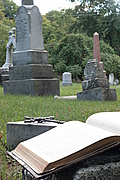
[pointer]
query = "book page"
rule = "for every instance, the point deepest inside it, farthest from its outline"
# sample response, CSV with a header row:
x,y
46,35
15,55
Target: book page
x,y
106,120
59,143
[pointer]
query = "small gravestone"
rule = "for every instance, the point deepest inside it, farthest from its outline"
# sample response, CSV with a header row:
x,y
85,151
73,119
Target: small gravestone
x,y
31,73
67,80
111,79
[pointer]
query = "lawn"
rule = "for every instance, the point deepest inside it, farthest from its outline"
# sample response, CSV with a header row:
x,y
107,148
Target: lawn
x,y
14,108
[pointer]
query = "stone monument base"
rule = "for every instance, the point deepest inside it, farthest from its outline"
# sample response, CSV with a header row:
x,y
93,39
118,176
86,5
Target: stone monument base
x,y
31,71
33,87
97,82
98,94
66,84
30,57
4,75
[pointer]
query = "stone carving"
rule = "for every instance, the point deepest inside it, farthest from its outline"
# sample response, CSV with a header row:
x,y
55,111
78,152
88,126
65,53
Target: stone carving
x,y
4,70
27,2
11,43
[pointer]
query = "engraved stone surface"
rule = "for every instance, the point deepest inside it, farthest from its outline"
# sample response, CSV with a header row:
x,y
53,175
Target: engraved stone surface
x,y
93,70
36,29
27,2
22,30
29,29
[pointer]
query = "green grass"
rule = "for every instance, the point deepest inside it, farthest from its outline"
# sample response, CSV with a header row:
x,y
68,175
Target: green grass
x,y
14,108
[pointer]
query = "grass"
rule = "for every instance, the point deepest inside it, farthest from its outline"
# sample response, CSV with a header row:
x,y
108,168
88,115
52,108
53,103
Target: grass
x,y
14,108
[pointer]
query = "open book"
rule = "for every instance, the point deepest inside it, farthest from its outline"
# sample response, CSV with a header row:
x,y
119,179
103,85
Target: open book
x,y
69,143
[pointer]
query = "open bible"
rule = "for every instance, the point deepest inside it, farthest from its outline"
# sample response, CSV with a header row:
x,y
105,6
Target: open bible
x,y
69,143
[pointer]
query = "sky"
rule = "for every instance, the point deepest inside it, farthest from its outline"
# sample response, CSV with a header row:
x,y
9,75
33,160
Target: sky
x,y
49,5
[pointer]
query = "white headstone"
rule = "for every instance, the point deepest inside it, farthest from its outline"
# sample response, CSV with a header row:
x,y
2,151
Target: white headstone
x,y
67,80
111,79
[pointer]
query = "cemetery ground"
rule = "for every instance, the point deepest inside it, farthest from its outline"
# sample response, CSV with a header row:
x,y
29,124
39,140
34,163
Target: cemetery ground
x,y
14,108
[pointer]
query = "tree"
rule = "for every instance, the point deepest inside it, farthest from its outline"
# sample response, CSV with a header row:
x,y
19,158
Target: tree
x,y
101,16
10,8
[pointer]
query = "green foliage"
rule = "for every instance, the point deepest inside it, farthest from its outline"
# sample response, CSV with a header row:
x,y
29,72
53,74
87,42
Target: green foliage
x,y
106,48
68,54
111,63
10,8
109,30
100,16
53,29
75,70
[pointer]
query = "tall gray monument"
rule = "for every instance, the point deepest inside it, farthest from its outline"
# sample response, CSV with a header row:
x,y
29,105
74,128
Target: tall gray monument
x,y
31,74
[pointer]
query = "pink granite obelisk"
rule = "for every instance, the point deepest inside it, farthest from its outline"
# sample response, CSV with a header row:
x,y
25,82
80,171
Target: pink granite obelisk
x,y
96,49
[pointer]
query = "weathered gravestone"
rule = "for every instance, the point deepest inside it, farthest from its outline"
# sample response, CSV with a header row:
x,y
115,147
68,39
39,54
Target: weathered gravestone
x,y
31,74
111,79
96,85
67,79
